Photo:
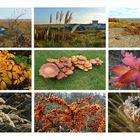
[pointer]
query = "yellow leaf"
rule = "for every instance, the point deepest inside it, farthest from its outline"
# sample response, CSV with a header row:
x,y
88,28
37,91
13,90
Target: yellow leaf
x,y
22,78
10,75
3,85
6,80
9,67
15,82
15,68
18,81
26,74
22,65
12,62
15,75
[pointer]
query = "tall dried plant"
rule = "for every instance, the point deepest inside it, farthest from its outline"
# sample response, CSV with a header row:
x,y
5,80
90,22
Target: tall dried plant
x,y
60,20
57,16
61,17
68,17
50,22
50,19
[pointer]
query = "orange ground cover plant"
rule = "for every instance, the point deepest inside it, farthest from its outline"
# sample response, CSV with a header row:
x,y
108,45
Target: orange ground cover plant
x,y
78,116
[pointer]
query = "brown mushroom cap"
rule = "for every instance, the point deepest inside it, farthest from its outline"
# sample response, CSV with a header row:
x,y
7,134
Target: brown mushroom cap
x,y
74,59
65,66
60,65
49,70
81,57
86,69
52,60
69,72
80,66
61,75
64,59
96,61
64,69
93,61
68,64
72,68
81,62
87,64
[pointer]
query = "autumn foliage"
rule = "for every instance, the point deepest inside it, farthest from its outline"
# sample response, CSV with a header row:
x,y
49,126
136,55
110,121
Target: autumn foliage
x,y
78,116
11,73
127,72
129,27
114,20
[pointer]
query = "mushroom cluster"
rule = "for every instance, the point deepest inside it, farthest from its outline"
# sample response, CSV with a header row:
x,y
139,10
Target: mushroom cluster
x,y
81,62
57,68
96,61
132,108
64,66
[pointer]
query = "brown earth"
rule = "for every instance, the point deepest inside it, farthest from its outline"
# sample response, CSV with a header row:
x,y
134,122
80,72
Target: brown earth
x,y
118,39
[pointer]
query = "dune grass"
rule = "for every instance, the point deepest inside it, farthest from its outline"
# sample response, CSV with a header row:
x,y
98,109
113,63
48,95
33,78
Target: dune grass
x,y
80,80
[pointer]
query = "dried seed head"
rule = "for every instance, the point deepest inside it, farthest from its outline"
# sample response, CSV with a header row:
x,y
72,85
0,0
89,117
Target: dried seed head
x,y
132,108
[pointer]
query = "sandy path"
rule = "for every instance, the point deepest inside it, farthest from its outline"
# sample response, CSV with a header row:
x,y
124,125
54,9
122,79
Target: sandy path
x,y
116,39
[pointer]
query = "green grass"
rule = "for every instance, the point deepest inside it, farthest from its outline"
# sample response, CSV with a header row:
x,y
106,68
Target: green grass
x,y
80,80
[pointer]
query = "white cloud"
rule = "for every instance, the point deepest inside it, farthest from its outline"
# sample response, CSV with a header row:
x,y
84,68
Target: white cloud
x,y
124,12
88,17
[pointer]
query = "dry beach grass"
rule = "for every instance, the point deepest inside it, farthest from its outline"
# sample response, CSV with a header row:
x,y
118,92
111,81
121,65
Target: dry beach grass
x,y
17,33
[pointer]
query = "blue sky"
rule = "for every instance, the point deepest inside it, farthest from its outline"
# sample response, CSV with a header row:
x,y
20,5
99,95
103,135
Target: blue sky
x,y
6,13
124,12
80,15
